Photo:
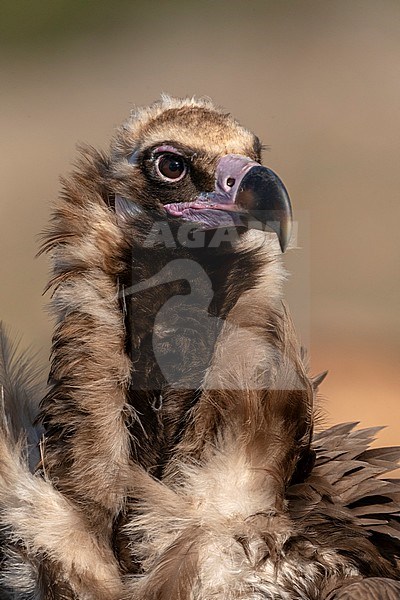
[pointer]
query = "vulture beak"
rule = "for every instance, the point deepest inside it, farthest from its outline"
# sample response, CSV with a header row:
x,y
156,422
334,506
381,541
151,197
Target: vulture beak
x,y
245,194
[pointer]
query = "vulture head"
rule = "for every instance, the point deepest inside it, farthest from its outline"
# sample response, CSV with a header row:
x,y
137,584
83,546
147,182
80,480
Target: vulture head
x,y
178,457
184,161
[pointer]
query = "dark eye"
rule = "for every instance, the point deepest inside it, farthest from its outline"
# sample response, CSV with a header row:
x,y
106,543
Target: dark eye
x,y
170,166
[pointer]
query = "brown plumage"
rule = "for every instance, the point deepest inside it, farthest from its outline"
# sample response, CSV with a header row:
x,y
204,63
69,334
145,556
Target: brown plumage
x,y
178,458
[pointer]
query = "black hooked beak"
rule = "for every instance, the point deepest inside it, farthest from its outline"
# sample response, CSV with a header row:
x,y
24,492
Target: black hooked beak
x,y
264,197
246,194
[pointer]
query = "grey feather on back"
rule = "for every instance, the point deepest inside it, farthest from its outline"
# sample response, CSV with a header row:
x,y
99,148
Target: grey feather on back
x,y
22,385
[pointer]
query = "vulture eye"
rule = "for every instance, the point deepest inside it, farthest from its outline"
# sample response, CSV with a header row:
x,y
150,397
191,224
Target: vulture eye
x,y
171,167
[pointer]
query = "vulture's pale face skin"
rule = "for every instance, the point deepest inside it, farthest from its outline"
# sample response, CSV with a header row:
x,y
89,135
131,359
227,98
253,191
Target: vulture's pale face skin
x,y
179,460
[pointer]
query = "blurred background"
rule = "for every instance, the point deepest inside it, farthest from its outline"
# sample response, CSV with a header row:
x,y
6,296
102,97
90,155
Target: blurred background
x,y
319,82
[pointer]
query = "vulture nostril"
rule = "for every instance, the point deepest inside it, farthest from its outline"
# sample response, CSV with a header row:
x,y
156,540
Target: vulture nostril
x,y
230,182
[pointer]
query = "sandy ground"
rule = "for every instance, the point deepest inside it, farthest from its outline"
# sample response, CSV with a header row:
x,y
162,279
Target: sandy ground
x,y
318,82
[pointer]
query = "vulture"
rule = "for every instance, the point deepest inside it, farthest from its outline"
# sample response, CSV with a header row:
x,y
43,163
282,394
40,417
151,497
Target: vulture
x,y
175,453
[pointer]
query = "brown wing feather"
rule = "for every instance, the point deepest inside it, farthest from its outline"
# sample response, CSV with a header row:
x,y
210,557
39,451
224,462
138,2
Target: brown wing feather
x,y
345,496
175,573
375,588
